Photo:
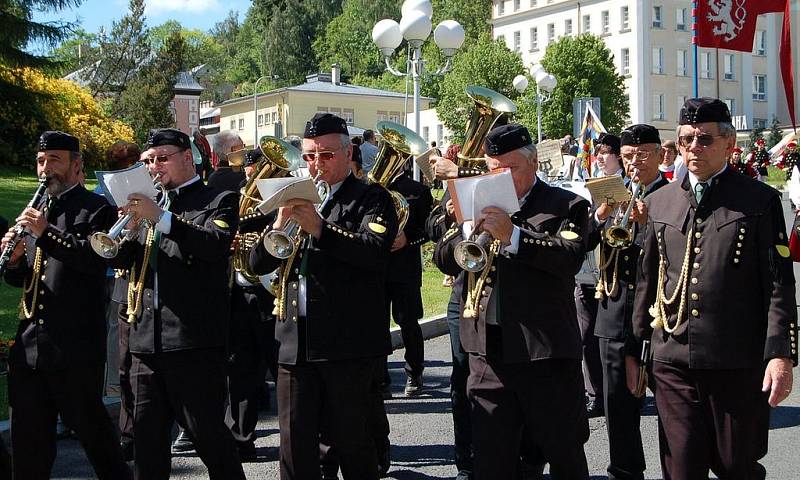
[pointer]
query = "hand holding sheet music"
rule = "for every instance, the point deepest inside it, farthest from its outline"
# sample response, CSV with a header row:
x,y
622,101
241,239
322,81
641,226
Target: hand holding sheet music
x,y
472,194
118,185
277,191
608,190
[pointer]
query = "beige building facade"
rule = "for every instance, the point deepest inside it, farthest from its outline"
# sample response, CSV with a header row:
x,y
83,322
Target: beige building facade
x,y
652,46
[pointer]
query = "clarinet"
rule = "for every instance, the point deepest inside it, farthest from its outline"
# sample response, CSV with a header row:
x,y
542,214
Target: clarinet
x,y
19,231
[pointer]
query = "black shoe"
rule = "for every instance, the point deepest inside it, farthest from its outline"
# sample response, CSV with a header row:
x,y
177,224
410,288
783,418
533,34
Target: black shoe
x,y
384,462
594,409
413,385
531,472
386,391
127,450
183,443
247,451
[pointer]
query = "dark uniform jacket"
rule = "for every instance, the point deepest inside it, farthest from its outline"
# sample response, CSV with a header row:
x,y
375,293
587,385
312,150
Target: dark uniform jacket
x,y
405,265
535,307
193,280
740,302
436,226
226,178
614,312
346,311
68,328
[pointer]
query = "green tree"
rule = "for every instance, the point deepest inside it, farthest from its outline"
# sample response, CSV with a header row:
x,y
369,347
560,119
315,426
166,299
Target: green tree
x,y
472,15
584,67
775,133
757,133
75,52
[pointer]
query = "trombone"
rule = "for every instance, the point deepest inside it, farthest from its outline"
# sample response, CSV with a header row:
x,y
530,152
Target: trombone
x,y
107,244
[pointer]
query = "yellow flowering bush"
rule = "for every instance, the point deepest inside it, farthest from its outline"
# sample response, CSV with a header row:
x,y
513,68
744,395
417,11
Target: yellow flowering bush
x,y
66,106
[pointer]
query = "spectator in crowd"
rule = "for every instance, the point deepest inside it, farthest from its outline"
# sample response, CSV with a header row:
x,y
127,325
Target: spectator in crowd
x,y
355,161
369,150
230,150
669,152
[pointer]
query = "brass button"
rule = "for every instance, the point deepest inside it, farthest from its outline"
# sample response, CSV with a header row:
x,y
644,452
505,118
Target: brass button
x,y
698,235
43,277
738,244
41,292
741,230
630,286
41,321
549,244
294,285
738,252
695,265
694,280
695,313
696,249
627,257
41,307
627,272
294,303
695,297
735,260
294,318
741,237
488,279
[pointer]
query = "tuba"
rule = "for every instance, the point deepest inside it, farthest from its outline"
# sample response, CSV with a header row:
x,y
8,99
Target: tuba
x,y
489,107
398,145
280,159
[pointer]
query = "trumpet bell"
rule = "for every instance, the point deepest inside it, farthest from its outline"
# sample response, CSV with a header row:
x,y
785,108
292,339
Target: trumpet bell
x,y
279,244
470,256
618,237
104,245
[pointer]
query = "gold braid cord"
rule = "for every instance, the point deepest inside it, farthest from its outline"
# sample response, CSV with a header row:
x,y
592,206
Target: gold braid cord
x,y
283,279
33,286
658,309
136,286
602,288
475,288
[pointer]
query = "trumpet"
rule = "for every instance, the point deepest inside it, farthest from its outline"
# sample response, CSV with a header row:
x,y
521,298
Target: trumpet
x,y
282,244
19,232
472,254
107,244
620,235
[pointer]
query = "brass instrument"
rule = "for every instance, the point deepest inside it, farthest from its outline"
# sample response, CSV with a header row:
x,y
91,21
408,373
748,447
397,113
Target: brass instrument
x,y
236,158
398,145
489,107
107,244
620,235
280,158
472,254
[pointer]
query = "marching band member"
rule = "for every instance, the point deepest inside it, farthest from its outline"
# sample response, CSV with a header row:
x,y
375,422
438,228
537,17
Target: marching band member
x,y
56,365
330,339
716,298
178,298
524,353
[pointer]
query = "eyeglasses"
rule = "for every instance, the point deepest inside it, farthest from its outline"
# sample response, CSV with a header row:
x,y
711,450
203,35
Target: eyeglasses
x,y
317,156
160,158
641,155
704,140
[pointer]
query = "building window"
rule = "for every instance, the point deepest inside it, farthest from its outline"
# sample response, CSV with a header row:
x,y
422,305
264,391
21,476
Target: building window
x,y
439,134
241,124
728,66
625,61
534,39
551,32
501,8
761,42
426,134
658,11
274,117
395,116
533,3
680,19
658,61
731,103
658,106
517,4
349,115
336,111
624,19
517,41
759,123
322,109
261,120
681,101
233,124
587,23
681,63
759,88
705,65
382,115
568,26
605,26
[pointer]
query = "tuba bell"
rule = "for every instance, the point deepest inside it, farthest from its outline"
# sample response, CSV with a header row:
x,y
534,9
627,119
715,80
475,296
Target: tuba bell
x,y
398,145
489,107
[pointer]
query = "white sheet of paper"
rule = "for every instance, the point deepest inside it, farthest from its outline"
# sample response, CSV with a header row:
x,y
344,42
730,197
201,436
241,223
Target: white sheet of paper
x,y
277,191
473,194
423,161
122,183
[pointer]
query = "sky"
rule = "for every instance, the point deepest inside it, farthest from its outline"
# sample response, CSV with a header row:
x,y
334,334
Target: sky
x,y
199,14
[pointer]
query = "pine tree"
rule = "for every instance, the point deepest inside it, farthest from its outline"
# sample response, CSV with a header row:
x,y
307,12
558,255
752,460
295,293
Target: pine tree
x,y
775,133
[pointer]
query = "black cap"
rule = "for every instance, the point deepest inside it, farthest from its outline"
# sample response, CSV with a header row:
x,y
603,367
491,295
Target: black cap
x,y
55,140
702,110
159,137
323,124
639,134
506,138
253,156
611,141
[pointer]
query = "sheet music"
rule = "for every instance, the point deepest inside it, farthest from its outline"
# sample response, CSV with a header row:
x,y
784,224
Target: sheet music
x,y
609,189
550,158
119,184
424,164
472,194
277,191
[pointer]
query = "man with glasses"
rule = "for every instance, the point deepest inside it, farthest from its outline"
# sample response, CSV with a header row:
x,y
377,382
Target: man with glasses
x,y
331,341
640,152
179,269
716,299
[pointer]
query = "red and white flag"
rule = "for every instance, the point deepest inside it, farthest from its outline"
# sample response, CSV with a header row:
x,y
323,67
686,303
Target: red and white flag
x,y
731,24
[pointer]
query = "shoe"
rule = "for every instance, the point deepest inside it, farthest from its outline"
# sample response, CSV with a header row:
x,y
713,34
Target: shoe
x,y
183,443
413,385
594,409
247,451
531,472
127,450
386,391
384,462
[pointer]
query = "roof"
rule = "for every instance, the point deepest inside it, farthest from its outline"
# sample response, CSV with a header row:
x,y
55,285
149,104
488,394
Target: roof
x,y
184,81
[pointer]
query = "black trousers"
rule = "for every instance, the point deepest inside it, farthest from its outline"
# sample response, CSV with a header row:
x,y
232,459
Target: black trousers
x,y
586,307
37,398
187,386
250,352
405,301
126,389
462,422
331,398
542,399
714,420
623,415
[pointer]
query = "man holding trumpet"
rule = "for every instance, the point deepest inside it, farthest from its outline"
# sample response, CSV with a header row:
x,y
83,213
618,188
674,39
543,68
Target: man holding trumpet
x,y
518,320
56,365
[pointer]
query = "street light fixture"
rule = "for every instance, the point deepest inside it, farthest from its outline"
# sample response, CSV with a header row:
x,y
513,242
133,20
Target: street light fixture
x,y
545,84
415,27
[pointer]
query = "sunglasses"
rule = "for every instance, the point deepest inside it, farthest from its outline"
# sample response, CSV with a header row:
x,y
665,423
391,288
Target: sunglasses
x,y
704,140
160,158
313,157
629,157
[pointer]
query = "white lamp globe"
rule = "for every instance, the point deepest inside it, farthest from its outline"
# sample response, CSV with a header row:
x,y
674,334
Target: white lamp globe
x,y
420,5
520,83
549,83
386,35
449,35
415,27
535,69
539,76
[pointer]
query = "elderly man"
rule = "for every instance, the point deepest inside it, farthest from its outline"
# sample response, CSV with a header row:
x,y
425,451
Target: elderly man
x,y
230,150
56,364
524,353
716,299
640,151
330,346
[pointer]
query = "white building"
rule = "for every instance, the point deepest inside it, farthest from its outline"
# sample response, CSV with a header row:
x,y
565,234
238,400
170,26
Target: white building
x,y
431,128
652,45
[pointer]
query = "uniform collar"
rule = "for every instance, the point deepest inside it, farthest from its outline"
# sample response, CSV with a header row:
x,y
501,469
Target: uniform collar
x,y
693,180
184,186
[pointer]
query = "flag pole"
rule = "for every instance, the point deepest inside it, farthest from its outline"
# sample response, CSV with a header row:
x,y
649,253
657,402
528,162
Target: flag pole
x,y
694,45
